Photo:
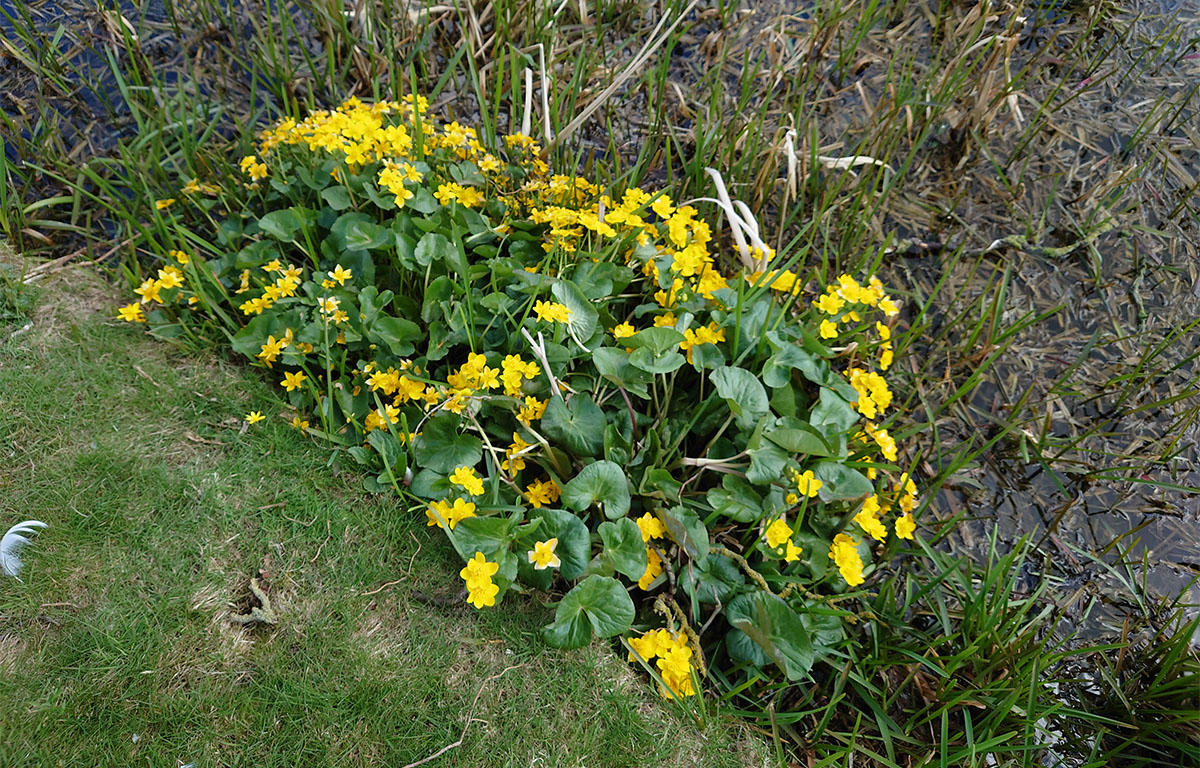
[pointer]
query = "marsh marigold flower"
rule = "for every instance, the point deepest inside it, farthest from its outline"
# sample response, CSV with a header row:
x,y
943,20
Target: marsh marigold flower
x,y
844,552
132,313
542,555
551,311
466,478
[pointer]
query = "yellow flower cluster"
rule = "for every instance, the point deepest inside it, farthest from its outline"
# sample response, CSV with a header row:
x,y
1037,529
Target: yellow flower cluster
x,y
446,514
355,129
465,478
552,311
542,493
478,573
514,457
283,286
779,535
514,373
707,334
847,294
651,528
844,552
874,397
674,654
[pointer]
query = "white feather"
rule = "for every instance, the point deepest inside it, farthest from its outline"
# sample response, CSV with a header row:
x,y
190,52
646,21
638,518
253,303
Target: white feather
x,y
12,544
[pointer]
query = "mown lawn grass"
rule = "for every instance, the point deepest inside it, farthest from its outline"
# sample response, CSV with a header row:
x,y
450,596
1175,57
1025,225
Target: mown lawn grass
x,y
117,648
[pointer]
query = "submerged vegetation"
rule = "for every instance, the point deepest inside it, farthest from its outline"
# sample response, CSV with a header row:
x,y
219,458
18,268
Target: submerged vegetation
x,y
528,308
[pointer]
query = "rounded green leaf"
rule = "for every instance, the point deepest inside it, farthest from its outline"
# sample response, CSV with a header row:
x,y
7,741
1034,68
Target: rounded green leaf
x,y
743,392
577,425
776,629
597,605
442,449
603,482
574,543
623,545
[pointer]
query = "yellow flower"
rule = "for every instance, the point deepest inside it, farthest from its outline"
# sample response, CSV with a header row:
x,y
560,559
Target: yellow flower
x,y
868,522
676,670
254,417
179,256
482,595
532,410
778,532
466,478
653,569
163,204
341,274
829,329
542,493
623,331
793,552
551,311
651,527
478,569
148,290
889,307
132,313
844,552
542,555
445,514
478,574
829,303
328,305
905,526
292,381
271,349
170,277
299,423
808,484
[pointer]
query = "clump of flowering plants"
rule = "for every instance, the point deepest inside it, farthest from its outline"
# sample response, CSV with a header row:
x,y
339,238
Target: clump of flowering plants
x,y
568,384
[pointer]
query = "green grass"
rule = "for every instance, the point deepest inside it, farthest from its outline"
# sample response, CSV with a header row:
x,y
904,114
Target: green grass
x,y
117,648
962,173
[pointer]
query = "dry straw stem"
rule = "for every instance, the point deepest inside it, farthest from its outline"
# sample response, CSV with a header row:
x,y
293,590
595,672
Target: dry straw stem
x,y
657,36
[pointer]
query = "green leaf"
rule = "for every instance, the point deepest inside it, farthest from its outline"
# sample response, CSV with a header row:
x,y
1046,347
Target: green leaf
x,y
598,605
777,371
840,482
712,579
574,542
434,247
397,334
795,436
833,414
577,425
613,364
647,360
390,451
659,484
659,341
442,449
743,392
601,481
767,461
776,629
582,321
623,545
687,530
355,231
282,225
489,535
336,198
736,500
